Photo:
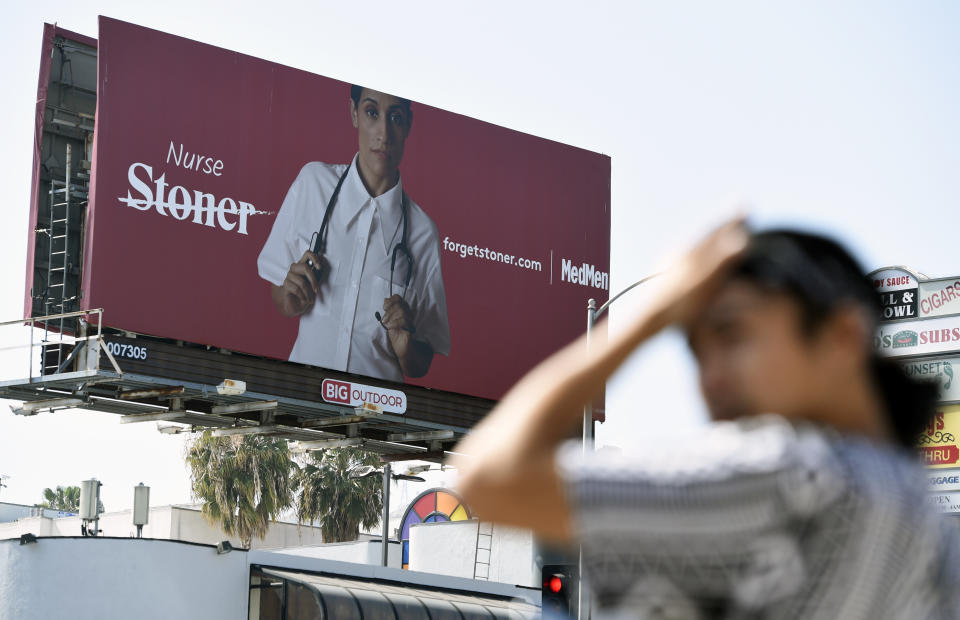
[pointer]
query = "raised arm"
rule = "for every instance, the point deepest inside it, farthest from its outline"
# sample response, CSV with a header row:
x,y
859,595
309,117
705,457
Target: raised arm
x,y
507,470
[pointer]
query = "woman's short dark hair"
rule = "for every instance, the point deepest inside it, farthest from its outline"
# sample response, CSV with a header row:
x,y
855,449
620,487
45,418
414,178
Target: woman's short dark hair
x,y
823,277
356,89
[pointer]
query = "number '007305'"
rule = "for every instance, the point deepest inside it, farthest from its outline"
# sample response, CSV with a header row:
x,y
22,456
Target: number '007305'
x,y
127,350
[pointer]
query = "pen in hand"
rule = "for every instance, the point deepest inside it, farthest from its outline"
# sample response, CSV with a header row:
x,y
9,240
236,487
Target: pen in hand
x,y
380,320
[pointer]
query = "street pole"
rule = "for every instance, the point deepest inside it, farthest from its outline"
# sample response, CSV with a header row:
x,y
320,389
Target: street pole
x,y
583,597
386,515
588,408
583,602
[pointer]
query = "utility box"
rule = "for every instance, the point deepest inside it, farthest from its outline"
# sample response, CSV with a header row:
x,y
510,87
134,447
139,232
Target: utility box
x,y
141,504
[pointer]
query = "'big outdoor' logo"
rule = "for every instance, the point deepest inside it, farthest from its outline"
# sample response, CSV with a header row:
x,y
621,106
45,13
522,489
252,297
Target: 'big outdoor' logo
x,y
357,394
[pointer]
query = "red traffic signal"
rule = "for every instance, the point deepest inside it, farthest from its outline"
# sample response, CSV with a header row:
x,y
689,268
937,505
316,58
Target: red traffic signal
x,y
560,589
554,584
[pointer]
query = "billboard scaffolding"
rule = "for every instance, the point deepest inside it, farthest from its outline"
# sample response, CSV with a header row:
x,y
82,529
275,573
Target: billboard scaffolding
x,y
64,129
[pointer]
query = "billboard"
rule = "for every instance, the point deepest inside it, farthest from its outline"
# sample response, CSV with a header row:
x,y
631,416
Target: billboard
x,y
245,205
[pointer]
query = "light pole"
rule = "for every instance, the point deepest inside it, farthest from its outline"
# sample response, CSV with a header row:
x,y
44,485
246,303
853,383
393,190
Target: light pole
x,y
593,313
370,472
385,518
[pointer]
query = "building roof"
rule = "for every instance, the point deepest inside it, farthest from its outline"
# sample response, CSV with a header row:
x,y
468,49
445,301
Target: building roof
x,y
353,597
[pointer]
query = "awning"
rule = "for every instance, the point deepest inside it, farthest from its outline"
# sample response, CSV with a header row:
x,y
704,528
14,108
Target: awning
x,y
345,599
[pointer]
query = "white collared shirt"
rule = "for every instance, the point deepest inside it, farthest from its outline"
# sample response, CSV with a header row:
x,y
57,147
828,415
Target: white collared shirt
x,y
340,331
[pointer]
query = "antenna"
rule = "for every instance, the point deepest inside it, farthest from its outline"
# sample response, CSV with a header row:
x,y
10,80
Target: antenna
x,y
89,506
2,478
141,507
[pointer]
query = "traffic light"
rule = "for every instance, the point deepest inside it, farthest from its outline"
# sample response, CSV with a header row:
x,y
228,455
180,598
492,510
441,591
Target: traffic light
x,y
560,588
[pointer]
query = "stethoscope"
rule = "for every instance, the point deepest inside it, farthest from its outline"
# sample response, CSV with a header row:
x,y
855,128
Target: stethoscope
x,y
318,240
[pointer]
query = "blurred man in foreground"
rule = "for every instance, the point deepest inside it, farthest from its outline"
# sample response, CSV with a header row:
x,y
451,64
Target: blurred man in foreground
x,y
801,501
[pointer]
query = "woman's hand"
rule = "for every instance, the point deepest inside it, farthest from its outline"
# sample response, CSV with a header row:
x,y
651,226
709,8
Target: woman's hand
x,y
691,281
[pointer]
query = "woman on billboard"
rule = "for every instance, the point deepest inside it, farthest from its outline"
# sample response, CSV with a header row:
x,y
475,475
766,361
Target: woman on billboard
x,y
356,259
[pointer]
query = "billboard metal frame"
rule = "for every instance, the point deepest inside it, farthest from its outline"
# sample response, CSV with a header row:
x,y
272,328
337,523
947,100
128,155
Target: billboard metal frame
x,y
98,382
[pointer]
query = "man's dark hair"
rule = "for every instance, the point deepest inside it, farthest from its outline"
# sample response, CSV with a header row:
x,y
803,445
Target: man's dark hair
x,y
356,89
822,277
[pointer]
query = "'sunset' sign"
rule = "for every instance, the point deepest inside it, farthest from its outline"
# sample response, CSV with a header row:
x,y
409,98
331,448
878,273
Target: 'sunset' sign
x,y
356,394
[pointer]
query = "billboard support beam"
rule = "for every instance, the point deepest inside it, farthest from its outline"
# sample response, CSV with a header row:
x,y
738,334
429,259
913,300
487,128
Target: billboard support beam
x,y
324,444
176,416
425,435
259,405
427,455
34,407
152,393
113,360
271,429
340,421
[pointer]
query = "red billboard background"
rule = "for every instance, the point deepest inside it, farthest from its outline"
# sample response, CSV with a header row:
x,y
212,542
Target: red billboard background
x,y
481,184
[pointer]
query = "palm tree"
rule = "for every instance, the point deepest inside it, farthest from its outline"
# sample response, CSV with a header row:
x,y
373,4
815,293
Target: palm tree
x,y
243,482
330,494
65,499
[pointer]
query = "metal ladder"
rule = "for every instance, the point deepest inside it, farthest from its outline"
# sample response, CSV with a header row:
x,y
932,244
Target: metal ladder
x,y
481,565
56,297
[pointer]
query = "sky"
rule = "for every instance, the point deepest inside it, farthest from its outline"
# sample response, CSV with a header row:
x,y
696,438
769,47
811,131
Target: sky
x,y
840,117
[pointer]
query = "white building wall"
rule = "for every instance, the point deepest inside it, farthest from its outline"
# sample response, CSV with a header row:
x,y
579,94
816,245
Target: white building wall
x,y
446,548
364,551
513,557
189,524
158,523
438,548
11,512
450,548
95,578
40,526
165,522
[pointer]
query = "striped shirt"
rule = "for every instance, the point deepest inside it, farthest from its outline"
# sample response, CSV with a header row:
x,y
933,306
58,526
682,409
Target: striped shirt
x,y
761,519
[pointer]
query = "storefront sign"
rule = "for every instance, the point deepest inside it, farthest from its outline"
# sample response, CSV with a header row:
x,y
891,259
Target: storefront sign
x,y
939,297
938,443
893,279
921,337
938,370
907,295
944,480
898,291
944,502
